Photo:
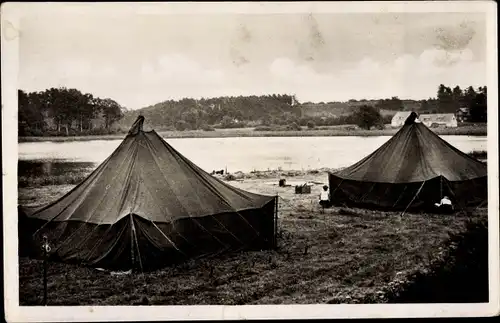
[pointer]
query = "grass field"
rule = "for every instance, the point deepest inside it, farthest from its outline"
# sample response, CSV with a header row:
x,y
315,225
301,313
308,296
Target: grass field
x,y
469,130
342,256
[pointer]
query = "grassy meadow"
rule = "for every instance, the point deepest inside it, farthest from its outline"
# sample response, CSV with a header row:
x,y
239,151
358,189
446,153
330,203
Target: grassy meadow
x,y
341,256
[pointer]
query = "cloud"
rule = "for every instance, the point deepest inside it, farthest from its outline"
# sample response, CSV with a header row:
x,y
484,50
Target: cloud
x,y
179,70
408,76
454,37
173,76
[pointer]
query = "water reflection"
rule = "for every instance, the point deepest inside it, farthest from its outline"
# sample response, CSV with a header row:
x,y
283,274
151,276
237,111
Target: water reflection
x,y
236,154
37,168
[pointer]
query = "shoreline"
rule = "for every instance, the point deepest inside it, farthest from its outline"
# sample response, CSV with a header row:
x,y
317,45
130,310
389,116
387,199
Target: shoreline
x,y
336,131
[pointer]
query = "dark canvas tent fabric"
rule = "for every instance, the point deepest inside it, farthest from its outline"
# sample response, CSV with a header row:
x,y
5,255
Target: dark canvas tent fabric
x,y
412,170
146,206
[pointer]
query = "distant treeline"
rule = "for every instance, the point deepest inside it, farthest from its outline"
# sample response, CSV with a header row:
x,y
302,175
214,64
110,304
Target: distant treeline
x,y
447,100
450,100
62,111
69,112
287,112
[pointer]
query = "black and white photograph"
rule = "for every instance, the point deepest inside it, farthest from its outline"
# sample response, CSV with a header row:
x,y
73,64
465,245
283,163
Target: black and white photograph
x,y
202,160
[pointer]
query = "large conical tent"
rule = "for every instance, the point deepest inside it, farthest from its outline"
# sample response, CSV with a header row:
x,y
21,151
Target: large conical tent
x,y
147,206
412,170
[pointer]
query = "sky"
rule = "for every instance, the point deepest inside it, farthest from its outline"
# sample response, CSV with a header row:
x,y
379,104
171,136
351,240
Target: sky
x,y
142,59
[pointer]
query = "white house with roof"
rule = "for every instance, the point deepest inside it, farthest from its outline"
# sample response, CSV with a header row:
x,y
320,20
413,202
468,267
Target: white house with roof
x,y
430,120
399,118
439,119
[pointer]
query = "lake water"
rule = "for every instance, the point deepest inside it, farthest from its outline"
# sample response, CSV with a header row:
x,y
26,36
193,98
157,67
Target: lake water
x,y
240,154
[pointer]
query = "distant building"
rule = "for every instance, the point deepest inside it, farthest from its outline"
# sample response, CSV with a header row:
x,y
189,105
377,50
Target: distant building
x,y
399,118
430,120
439,119
463,114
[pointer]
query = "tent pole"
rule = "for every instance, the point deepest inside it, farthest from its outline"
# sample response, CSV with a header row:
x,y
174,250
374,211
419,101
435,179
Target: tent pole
x,y
458,203
132,256
413,199
441,187
342,180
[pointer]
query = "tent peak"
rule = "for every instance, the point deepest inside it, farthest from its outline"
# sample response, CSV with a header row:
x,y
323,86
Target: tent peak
x,y
411,118
137,126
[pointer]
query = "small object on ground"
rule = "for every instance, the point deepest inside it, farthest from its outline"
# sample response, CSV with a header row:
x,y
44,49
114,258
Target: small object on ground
x,y
230,177
282,182
120,273
303,189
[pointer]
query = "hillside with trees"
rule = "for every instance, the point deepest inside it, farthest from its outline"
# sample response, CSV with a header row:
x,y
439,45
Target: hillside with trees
x,y
222,112
63,112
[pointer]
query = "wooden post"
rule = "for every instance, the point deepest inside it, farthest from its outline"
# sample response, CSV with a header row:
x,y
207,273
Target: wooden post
x,y
276,222
46,249
45,280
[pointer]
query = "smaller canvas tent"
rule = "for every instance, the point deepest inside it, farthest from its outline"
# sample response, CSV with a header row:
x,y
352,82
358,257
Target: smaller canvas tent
x,y
148,206
413,170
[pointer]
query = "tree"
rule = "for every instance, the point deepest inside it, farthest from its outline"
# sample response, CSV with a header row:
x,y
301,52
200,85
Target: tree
x,y
181,125
265,121
393,103
86,110
30,117
469,97
367,117
191,119
445,99
64,107
227,122
479,106
294,126
457,97
111,110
